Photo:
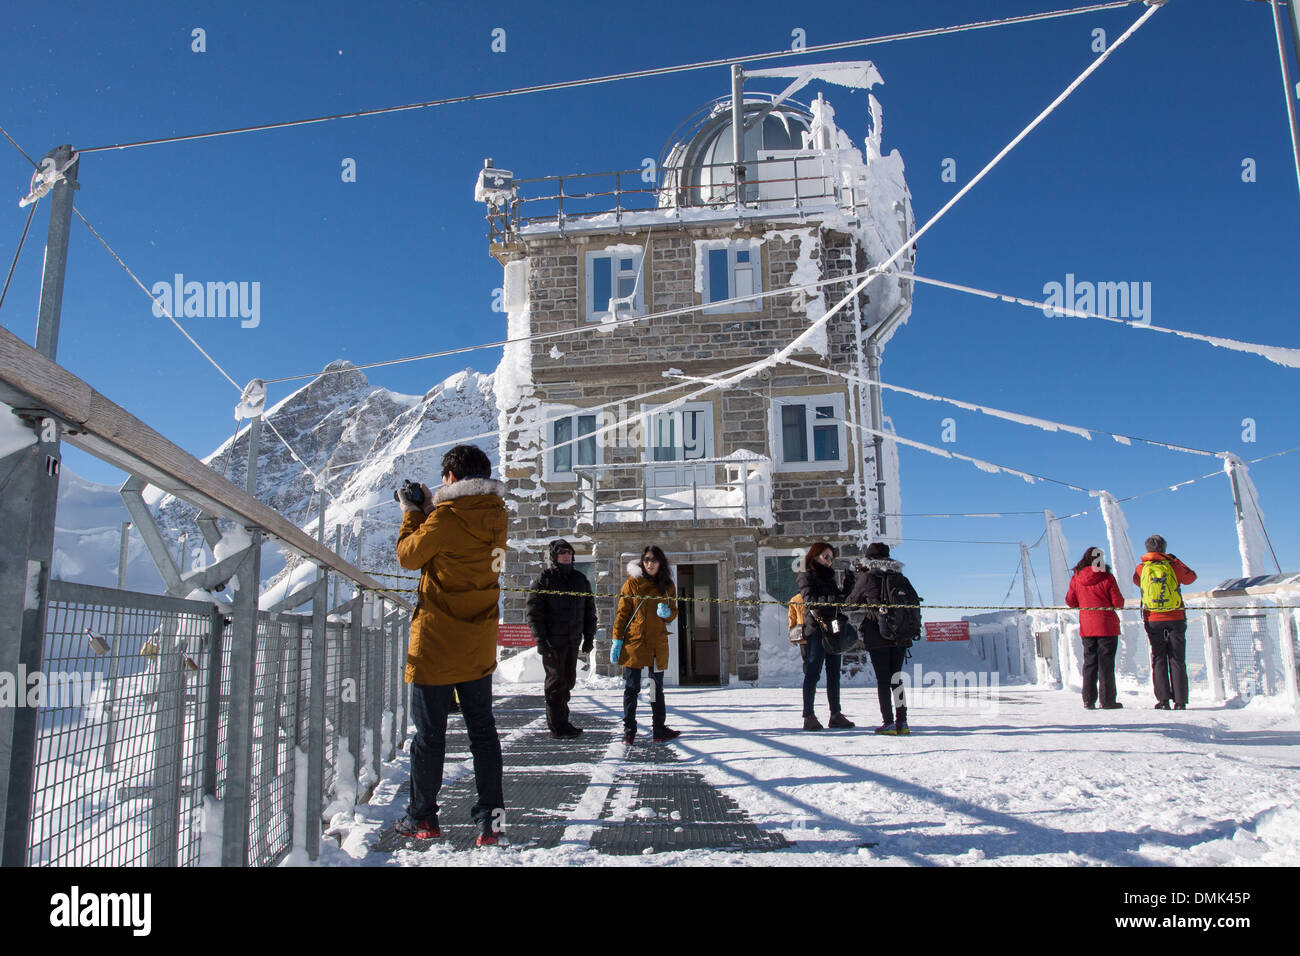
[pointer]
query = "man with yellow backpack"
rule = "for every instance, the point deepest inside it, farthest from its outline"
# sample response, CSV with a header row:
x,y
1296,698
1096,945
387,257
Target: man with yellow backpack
x,y
1160,575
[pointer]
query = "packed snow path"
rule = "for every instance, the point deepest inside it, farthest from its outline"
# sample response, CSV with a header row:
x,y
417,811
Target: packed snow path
x,y
1013,775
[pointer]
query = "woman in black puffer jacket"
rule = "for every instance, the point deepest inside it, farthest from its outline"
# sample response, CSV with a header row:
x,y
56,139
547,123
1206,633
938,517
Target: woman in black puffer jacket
x,y
818,585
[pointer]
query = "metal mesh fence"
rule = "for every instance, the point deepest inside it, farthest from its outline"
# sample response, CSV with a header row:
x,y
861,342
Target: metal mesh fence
x,y
133,723
1248,642
119,745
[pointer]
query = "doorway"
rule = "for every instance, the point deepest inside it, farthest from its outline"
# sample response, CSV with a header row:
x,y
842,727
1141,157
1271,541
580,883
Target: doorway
x,y
699,634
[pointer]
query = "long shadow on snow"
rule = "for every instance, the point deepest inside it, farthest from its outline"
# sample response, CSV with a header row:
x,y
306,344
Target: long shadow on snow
x,y
1022,837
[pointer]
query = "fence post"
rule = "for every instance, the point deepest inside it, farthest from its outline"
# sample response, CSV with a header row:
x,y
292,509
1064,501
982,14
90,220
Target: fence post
x,y
239,725
351,708
294,648
110,701
375,688
269,734
169,710
212,707
1287,645
316,715
395,681
27,514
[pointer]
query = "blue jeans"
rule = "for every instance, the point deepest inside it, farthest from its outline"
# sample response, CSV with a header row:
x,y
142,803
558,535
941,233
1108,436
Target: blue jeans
x,y
429,706
632,687
813,664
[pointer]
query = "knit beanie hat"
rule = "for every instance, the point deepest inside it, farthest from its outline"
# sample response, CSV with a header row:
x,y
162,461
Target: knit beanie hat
x,y
877,550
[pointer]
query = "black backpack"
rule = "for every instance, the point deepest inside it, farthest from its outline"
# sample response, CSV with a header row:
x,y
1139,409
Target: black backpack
x,y
901,625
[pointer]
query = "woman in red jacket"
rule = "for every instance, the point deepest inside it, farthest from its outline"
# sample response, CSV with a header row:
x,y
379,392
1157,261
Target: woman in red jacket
x,y
1094,590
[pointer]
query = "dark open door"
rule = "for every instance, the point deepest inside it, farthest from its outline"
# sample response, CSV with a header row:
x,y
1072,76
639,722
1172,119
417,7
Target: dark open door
x,y
699,645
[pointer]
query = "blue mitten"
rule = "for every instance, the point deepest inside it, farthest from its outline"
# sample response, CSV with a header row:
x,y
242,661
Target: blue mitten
x,y
615,652
663,610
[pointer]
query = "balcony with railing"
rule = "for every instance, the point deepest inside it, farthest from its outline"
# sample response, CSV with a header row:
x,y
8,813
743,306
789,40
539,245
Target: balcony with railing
x,y
736,489
774,186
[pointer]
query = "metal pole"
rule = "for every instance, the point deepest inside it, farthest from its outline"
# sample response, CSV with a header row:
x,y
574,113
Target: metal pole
x,y
338,549
27,514
239,727
1294,9
695,498
877,423
243,671
110,697
121,555
375,690
1024,574
316,702
351,716
212,709
169,718
361,532
399,713
738,130
1288,90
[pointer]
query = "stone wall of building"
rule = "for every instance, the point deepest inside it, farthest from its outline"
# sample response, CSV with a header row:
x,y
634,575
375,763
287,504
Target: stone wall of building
x,y
622,363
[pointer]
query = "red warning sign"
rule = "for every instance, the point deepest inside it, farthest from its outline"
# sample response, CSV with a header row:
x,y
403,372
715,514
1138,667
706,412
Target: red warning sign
x,y
947,631
514,635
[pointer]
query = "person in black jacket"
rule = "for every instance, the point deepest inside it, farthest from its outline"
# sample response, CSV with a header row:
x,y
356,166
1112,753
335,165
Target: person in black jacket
x,y
819,587
886,657
560,623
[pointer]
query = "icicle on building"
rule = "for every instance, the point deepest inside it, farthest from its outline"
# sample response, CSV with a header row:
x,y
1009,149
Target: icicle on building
x,y
734,483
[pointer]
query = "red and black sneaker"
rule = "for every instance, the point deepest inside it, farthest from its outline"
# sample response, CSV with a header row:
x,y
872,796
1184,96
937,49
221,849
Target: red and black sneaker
x,y
664,734
490,834
418,829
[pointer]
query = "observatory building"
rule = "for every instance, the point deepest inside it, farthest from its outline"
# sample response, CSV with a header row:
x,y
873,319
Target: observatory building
x,y
708,405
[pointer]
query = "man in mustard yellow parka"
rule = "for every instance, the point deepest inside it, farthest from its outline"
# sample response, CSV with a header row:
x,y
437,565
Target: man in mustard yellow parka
x,y
456,538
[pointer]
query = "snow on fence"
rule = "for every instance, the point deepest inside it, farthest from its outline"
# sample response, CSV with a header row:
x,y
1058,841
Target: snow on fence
x,y
134,701
1242,643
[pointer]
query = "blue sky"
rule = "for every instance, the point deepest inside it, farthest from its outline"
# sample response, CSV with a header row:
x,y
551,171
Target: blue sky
x,y
1137,177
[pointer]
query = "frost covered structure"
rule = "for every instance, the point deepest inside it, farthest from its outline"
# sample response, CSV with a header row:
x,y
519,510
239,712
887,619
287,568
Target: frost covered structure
x,y
618,436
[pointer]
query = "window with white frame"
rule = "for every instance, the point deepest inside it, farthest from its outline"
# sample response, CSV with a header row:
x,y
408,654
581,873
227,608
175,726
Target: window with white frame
x,y
808,432
571,442
730,271
615,285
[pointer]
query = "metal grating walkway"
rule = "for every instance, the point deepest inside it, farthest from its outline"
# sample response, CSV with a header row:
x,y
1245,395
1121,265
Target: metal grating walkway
x,y
654,804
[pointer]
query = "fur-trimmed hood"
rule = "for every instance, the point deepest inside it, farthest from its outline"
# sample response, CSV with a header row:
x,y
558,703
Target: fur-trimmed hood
x,y
878,564
634,569
469,486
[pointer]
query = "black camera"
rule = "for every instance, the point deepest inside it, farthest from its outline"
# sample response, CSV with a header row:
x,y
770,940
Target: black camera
x,y
412,492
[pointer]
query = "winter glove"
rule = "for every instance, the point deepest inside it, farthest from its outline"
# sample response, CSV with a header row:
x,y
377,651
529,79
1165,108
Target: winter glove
x,y
615,652
663,610
409,505
587,645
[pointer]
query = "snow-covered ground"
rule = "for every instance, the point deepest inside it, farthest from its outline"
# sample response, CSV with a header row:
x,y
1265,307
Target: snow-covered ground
x,y
1021,775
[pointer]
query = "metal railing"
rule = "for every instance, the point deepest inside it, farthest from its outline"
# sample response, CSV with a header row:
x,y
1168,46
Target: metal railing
x,y
703,489
774,184
135,731
1239,645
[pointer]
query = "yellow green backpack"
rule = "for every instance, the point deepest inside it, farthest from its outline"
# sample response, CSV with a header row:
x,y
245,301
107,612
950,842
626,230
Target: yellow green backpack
x,y
1160,587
